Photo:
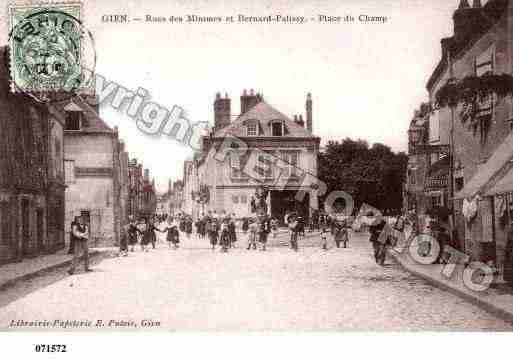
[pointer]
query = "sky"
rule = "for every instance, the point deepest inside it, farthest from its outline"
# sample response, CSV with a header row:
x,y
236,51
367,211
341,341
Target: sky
x,y
366,79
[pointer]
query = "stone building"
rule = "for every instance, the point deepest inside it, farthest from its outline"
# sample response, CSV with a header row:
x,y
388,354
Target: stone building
x,y
482,136
31,174
135,192
149,196
418,136
96,172
261,147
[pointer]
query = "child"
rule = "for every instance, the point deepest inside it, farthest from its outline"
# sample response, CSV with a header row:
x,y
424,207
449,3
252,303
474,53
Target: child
x,y
253,232
173,236
324,238
274,226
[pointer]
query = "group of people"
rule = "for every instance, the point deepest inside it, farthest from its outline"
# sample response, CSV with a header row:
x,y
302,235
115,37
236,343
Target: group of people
x,y
143,232
221,230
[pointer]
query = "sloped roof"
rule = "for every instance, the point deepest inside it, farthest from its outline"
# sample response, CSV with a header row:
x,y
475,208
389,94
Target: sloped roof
x,y
264,114
92,122
488,170
504,185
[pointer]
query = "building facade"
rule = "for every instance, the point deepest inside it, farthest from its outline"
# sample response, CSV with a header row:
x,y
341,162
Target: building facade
x,y
475,131
96,173
261,147
32,175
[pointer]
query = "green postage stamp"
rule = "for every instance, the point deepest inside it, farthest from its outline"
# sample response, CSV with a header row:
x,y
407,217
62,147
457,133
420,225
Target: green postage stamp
x,y
45,47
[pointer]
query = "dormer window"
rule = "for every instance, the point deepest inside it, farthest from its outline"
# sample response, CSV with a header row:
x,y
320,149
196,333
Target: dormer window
x,y
73,120
252,129
277,128
484,63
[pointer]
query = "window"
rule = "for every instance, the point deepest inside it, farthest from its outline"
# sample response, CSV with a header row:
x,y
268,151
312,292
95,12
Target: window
x,y
235,199
264,165
58,157
459,183
434,127
73,120
251,129
277,128
484,62
237,165
411,176
436,201
5,227
243,199
69,171
292,158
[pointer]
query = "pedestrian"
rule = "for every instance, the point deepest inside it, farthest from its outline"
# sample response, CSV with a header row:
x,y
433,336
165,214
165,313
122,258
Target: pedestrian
x,y
232,227
123,241
252,234
149,235
71,237
264,230
188,226
245,225
173,235
132,232
324,238
378,242
212,231
80,233
293,225
225,235
341,232
301,227
274,226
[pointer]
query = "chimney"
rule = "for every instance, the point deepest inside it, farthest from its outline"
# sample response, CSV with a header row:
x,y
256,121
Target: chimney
x,y
300,121
309,112
146,174
222,111
467,20
247,102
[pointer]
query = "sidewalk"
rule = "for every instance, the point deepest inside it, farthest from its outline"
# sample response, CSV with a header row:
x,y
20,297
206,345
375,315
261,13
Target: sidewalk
x,y
28,268
498,299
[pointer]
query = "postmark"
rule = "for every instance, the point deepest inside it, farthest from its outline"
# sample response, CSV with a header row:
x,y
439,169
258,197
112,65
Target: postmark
x,y
46,48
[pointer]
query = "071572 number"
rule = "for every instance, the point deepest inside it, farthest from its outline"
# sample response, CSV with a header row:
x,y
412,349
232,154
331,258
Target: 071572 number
x,y
50,348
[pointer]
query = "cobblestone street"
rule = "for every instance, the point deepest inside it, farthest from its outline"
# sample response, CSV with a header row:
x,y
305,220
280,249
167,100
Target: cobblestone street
x,y
196,288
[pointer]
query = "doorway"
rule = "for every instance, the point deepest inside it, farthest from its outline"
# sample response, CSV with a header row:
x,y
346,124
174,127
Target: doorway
x,y
285,201
25,226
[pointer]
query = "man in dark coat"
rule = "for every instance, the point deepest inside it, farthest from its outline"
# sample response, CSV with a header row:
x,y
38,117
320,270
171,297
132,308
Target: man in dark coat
x,y
72,237
376,227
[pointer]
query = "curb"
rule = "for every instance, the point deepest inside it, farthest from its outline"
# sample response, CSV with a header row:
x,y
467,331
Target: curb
x,y
440,284
24,277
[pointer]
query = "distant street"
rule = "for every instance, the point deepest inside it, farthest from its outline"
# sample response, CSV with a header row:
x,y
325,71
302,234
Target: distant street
x,y
195,288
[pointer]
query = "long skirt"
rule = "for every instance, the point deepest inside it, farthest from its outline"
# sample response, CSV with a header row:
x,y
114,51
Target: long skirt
x,y
147,238
132,239
213,238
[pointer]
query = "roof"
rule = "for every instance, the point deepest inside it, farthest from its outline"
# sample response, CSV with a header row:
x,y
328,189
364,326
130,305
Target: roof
x,y
264,114
504,185
92,122
488,170
492,12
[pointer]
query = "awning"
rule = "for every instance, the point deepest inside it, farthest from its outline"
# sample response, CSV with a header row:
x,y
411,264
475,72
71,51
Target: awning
x,y
487,170
504,185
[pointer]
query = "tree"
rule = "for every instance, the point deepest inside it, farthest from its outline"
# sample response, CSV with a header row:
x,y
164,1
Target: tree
x,y
372,175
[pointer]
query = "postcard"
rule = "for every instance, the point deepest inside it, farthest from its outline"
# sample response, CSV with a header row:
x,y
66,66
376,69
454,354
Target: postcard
x,y
239,166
